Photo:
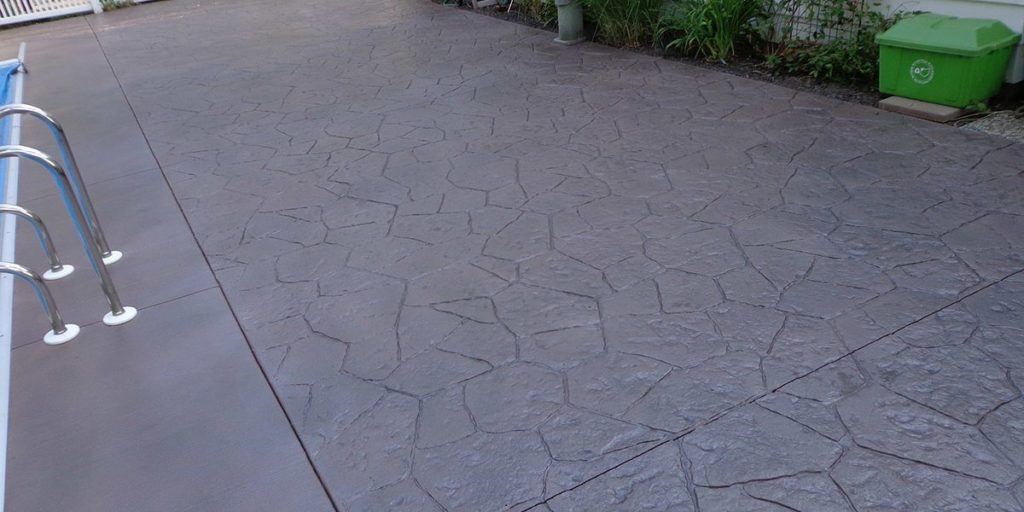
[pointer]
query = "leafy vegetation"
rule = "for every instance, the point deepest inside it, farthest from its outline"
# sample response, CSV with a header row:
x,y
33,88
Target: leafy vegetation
x,y
711,28
828,40
110,5
543,12
835,61
629,23
834,40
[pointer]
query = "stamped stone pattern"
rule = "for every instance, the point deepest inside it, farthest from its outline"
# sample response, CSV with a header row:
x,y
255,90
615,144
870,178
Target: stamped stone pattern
x,y
1005,427
687,396
756,444
514,398
660,485
861,433
870,480
486,272
509,465
960,381
882,421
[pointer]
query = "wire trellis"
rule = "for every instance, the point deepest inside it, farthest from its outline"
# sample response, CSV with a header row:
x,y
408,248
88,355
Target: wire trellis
x,y
819,20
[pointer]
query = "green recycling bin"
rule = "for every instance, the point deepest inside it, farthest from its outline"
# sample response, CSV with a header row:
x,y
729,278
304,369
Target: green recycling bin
x,y
952,61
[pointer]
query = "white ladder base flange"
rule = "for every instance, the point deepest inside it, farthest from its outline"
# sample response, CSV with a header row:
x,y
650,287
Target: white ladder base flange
x,y
70,331
129,313
52,275
113,257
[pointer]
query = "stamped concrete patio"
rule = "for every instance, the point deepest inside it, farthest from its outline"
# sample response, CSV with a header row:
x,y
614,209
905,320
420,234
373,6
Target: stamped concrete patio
x,y
484,272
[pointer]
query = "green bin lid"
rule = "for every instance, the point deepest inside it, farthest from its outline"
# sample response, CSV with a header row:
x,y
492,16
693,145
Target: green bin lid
x,y
949,34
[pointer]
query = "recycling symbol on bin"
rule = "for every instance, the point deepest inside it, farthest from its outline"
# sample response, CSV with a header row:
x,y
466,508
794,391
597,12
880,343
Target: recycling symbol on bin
x,y
922,71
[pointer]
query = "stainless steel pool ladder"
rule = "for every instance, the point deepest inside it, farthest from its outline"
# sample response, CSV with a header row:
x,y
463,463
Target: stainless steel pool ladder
x,y
57,269
73,173
60,332
119,313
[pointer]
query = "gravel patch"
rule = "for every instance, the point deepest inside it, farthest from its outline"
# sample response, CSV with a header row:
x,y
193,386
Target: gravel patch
x,y
1007,123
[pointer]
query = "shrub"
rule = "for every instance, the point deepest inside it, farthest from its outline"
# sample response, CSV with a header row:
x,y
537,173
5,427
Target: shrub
x,y
711,28
830,40
629,23
834,61
543,12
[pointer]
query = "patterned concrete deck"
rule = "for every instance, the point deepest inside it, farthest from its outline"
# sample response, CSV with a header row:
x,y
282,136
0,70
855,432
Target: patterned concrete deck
x,y
485,272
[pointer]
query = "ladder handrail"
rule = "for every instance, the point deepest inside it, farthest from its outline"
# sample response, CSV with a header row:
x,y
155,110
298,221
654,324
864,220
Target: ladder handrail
x,y
59,331
118,313
74,173
57,269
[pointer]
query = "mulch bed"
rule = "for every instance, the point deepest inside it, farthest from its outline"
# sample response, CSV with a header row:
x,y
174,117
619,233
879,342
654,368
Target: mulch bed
x,y
747,68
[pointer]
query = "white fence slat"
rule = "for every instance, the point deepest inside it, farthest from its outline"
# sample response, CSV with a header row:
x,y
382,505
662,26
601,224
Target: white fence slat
x,y
20,11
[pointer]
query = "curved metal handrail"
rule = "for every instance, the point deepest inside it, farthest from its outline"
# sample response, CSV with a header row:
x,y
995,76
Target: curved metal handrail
x,y
59,331
74,174
57,269
118,313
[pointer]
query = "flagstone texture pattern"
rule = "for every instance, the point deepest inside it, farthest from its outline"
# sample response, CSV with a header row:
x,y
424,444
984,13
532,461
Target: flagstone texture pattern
x,y
487,272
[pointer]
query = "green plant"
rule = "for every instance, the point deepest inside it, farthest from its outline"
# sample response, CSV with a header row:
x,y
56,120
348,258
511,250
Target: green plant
x,y
829,40
711,28
834,61
629,23
110,5
543,12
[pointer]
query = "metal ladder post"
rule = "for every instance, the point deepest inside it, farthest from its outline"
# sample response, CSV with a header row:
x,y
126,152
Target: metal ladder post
x,y
118,314
74,174
59,331
57,269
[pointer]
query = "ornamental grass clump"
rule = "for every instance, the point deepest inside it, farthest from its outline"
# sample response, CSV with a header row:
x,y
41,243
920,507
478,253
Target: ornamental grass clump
x,y
711,29
629,23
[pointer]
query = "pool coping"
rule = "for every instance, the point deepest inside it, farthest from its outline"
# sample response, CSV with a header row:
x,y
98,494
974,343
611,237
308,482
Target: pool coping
x,y
8,228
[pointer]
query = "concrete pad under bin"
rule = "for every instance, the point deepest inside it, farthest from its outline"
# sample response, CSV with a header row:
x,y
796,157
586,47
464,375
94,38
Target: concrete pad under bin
x,y
922,109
